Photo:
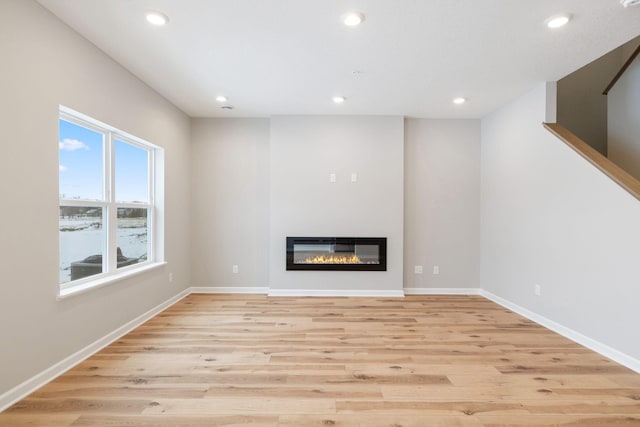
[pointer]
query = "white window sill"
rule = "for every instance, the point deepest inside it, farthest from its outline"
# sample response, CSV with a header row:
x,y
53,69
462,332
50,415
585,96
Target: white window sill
x,y
104,281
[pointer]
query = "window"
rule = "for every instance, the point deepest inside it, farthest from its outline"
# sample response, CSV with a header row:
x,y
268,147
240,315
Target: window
x,y
108,210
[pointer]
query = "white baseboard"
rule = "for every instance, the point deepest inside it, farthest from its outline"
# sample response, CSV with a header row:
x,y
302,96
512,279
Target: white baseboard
x,y
334,293
331,292
228,290
603,349
442,291
32,384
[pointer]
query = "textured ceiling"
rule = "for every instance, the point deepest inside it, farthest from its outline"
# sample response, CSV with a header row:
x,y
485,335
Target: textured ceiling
x,y
409,57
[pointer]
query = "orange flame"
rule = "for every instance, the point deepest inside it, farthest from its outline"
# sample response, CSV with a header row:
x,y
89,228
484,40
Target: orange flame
x,y
333,259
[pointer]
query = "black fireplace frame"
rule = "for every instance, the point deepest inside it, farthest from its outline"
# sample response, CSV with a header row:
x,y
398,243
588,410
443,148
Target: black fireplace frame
x,y
380,241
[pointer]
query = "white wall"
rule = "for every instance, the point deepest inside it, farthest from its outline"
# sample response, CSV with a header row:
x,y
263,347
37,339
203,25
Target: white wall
x,y
442,203
549,217
624,120
45,64
230,212
304,151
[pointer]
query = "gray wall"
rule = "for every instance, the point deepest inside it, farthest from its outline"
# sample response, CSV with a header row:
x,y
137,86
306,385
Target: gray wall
x,y
624,120
303,152
442,203
549,217
45,64
230,215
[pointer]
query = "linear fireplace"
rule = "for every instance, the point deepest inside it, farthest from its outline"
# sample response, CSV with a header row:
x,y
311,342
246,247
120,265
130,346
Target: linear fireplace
x,y
337,253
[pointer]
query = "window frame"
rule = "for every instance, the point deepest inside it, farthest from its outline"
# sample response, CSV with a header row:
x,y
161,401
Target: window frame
x,y
110,205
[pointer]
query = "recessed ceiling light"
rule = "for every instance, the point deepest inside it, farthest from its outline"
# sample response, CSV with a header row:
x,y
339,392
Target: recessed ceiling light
x,y
221,98
627,3
352,19
157,18
339,99
557,21
459,101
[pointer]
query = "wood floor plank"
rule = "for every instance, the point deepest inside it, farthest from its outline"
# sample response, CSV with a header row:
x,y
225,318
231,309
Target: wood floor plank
x,y
324,391
74,405
176,421
38,420
362,420
257,404
564,420
505,393
419,407
253,360
584,382
117,391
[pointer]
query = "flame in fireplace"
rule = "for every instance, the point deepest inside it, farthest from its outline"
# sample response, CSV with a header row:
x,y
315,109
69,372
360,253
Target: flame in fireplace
x,y
333,259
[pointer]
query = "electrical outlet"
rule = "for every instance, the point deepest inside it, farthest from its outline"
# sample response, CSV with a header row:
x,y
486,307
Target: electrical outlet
x,y
417,269
170,277
354,177
537,289
235,269
332,177
436,269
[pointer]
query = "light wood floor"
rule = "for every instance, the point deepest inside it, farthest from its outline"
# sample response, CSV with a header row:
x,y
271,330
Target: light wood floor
x,y
419,361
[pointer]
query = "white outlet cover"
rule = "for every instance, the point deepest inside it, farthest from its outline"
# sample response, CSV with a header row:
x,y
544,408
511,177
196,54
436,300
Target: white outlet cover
x,y
418,269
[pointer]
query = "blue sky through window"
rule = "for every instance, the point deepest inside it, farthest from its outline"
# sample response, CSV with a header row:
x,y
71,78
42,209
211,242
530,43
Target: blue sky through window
x,y
81,166
132,173
81,150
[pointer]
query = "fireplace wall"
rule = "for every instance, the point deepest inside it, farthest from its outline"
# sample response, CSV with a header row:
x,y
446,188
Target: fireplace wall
x,y
304,152
231,209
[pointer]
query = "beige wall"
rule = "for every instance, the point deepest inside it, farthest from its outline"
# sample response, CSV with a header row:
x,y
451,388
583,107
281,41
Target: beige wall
x,y
45,64
442,203
230,215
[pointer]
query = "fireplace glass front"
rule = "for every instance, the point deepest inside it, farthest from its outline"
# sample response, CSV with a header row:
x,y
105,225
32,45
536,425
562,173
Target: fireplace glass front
x,y
337,253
